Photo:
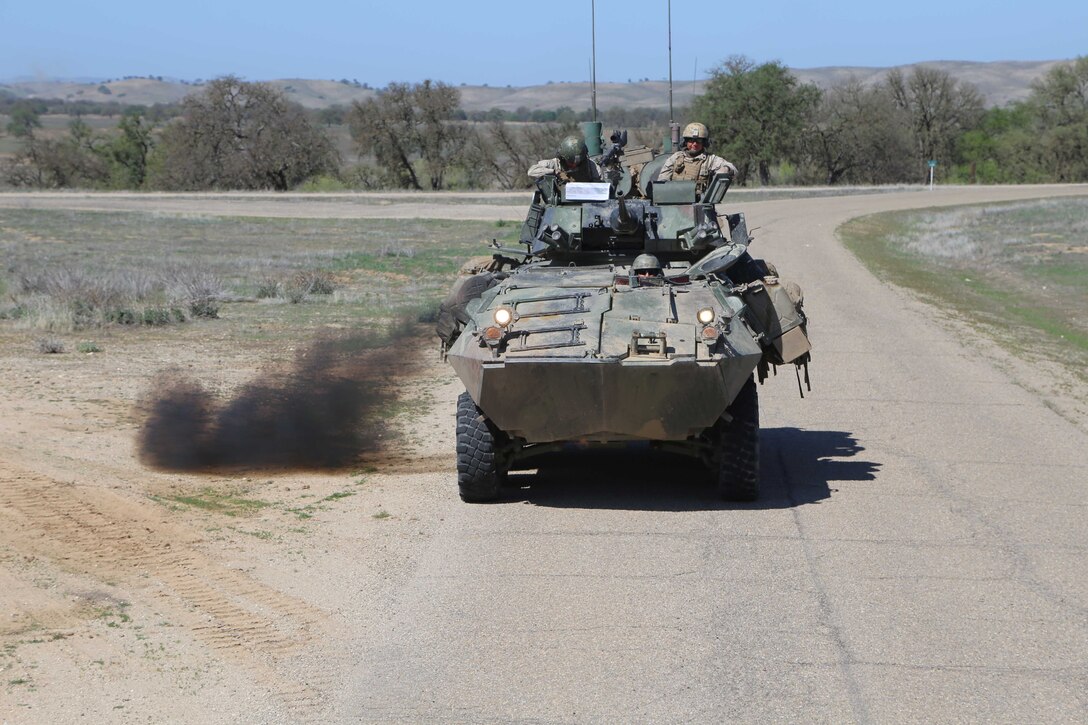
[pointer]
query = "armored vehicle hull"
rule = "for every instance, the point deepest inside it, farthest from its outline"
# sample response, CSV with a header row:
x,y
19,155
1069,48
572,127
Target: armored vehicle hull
x,y
619,363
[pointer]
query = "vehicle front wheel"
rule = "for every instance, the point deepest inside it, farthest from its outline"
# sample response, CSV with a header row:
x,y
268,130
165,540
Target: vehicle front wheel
x,y
479,476
738,447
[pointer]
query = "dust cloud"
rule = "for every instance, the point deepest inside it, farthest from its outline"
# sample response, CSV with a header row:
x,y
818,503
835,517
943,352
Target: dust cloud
x,y
322,413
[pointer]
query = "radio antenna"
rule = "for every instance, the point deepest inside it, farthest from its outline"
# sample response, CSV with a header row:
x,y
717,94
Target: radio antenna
x,y
694,78
672,116
593,69
674,127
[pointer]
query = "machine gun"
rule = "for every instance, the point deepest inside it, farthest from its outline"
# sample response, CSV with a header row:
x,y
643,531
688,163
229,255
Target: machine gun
x,y
610,162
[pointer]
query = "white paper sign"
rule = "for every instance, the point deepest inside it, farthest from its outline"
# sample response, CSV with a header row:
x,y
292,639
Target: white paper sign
x,y
587,191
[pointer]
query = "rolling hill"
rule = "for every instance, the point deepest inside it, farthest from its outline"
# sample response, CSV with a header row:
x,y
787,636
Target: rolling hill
x,y
999,82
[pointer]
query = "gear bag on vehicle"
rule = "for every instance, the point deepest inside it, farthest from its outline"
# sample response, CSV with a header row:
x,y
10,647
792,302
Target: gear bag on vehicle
x,y
776,310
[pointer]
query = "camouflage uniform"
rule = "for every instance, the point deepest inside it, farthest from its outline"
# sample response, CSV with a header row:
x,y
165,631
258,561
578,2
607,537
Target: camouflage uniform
x,y
699,168
586,171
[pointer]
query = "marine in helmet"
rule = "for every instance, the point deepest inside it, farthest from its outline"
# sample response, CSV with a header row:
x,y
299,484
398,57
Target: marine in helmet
x,y
646,265
571,163
693,163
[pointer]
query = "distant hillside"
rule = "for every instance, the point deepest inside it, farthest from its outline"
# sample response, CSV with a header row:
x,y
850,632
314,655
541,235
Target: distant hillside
x,y
999,82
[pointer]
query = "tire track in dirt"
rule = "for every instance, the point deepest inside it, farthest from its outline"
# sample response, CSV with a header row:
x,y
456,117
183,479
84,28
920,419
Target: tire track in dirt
x,y
104,535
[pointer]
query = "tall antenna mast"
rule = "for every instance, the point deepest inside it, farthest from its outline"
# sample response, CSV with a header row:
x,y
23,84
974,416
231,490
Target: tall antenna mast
x,y
593,71
672,117
694,78
674,128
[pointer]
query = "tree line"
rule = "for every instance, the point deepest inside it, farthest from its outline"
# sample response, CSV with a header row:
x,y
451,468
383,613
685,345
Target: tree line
x,y
240,135
765,121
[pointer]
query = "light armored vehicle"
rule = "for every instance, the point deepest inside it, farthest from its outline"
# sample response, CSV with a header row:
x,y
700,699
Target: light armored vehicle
x,y
634,312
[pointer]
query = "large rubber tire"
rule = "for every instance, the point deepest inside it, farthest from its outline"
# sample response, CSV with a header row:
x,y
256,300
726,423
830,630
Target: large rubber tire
x,y
479,478
738,447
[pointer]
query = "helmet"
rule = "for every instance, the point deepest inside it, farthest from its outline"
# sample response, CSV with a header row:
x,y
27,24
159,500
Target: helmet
x,y
646,263
697,131
572,151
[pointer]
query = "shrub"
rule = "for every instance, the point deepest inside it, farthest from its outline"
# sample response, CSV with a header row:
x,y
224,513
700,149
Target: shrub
x,y
397,250
57,300
83,314
323,183
83,290
121,316
206,308
156,316
50,346
17,312
267,288
202,291
69,299
88,347
295,294
314,282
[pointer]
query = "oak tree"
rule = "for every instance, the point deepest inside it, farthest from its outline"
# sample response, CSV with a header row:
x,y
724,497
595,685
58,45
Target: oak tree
x,y
756,113
940,109
240,135
857,134
1061,103
405,124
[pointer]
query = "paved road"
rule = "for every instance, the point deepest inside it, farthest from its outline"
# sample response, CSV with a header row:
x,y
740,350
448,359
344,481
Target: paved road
x,y
920,553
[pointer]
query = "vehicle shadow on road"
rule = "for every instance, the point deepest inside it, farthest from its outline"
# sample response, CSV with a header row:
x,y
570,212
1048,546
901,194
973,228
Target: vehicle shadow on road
x,y
797,467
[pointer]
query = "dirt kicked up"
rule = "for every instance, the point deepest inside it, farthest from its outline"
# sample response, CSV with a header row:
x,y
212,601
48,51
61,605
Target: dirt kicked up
x,y
323,413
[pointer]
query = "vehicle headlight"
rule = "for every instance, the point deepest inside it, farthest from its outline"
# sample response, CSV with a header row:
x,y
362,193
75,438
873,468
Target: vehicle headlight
x,y
503,316
705,315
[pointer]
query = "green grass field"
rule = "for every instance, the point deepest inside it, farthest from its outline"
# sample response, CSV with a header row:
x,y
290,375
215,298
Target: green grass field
x,y
1019,270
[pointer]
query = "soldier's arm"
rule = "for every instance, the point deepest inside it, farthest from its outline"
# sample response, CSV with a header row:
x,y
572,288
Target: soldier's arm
x,y
717,163
543,168
666,170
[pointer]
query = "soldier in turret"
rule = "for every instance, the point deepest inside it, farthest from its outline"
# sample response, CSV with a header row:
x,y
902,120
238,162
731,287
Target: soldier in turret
x,y
572,163
693,163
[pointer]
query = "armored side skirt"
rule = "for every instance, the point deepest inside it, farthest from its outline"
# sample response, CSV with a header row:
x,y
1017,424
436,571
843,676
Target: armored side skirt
x,y
542,400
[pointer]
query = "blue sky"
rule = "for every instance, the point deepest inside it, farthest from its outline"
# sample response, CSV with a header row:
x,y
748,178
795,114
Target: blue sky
x,y
514,42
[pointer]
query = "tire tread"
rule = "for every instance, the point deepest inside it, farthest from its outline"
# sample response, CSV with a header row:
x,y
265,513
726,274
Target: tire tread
x,y
478,477
738,447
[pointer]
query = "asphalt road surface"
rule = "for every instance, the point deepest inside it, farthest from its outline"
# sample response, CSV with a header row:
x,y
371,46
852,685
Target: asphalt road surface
x,y
920,552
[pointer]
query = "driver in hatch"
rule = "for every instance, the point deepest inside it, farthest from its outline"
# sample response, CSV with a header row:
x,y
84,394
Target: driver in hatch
x,y
647,266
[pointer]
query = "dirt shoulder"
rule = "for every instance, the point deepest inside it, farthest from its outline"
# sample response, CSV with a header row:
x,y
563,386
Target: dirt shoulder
x,y
508,206
129,594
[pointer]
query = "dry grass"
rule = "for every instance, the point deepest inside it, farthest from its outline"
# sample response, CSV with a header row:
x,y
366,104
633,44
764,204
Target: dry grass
x,y
1020,269
68,271
62,299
